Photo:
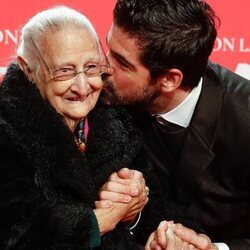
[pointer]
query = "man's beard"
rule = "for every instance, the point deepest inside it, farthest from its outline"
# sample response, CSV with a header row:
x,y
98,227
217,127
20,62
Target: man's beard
x,y
145,99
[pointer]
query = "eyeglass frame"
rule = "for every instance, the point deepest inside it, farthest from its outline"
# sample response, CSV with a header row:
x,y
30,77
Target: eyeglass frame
x,y
75,73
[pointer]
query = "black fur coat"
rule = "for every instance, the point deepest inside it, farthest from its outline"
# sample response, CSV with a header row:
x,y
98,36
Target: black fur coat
x,y
47,187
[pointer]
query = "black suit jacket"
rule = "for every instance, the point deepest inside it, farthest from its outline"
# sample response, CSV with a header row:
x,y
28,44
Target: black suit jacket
x,y
212,175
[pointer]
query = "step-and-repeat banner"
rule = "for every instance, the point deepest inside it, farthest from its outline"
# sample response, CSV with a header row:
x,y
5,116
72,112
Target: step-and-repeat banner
x,y
232,47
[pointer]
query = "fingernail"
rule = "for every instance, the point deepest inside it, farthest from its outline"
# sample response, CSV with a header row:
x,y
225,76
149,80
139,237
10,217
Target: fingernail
x,y
178,231
109,204
133,185
170,233
162,222
127,198
170,222
134,191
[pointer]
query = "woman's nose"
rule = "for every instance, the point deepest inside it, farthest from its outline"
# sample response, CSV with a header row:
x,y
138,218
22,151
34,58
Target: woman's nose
x,y
80,84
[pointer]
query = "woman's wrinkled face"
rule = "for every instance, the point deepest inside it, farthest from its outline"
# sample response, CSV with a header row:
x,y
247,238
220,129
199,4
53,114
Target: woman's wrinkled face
x,y
69,50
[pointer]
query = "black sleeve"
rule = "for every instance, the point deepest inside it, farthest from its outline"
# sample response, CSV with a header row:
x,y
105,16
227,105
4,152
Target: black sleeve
x,y
31,220
162,204
236,244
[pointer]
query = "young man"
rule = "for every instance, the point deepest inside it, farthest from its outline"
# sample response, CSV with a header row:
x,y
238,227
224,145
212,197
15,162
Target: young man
x,y
195,115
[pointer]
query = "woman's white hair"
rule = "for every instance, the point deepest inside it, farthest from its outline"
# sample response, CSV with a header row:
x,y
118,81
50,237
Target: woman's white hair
x,y
54,19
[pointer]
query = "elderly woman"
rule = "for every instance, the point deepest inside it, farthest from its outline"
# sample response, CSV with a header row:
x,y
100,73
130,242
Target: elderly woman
x,y
54,154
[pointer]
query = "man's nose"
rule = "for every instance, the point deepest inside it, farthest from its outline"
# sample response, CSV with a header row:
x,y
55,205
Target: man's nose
x,y
110,70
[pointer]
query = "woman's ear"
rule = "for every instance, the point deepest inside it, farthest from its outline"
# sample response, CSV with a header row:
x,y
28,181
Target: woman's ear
x,y
22,62
171,80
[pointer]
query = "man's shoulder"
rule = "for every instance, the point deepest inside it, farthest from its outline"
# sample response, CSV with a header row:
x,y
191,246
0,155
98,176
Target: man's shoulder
x,y
236,89
227,77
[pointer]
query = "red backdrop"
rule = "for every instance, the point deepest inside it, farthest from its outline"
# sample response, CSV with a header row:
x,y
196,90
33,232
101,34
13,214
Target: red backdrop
x,y
232,47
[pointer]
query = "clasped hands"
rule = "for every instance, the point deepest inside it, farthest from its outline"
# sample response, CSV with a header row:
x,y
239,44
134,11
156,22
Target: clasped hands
x,y
170,236
127,190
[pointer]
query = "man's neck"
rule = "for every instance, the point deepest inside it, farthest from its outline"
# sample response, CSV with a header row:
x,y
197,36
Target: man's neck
x,y
166,103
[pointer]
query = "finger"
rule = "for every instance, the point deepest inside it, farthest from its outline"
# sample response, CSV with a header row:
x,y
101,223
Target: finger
x,y
185,246
138,176
161,234
150,238
179,244
172,226
143,195
116,187
170,223
103,204
170,240
116,178
192,247
154,245
124,173
208,242
129,177
115,197
191,236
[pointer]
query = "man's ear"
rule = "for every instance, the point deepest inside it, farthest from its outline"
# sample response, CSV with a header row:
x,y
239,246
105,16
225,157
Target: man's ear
x,y
171,80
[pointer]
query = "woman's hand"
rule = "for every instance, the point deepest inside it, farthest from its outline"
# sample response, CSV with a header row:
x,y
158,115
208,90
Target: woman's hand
x,y
125,187
109,217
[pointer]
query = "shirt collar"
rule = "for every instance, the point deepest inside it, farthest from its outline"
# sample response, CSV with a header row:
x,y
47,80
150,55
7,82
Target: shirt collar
x,y
182,114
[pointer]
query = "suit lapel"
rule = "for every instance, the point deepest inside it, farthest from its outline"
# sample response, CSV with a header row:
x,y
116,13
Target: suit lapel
x,y
197,151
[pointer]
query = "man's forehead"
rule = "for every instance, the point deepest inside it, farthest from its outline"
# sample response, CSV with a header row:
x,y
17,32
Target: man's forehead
x,y
120,43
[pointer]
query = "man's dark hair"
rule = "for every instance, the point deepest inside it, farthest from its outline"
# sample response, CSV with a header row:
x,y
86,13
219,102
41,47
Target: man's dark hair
x,y
170,34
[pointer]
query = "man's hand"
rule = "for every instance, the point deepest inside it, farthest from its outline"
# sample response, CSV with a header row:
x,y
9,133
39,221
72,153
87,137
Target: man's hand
x,y
125,186
165,238
170,236
200,241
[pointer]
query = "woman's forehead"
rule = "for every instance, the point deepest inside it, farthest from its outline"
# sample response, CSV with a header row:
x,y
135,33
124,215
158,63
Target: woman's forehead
x,y
70,45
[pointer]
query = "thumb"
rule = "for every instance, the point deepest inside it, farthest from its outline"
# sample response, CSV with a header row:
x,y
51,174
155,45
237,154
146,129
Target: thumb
x,y
124,173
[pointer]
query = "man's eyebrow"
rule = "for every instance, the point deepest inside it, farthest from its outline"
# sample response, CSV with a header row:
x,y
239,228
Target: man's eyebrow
x,y
122,60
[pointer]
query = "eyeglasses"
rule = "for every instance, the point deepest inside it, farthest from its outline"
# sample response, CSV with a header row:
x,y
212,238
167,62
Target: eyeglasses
x,y
68,72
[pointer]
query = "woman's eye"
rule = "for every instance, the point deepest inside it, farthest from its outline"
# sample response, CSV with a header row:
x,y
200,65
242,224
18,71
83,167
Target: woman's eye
x,y
92,66
64,70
